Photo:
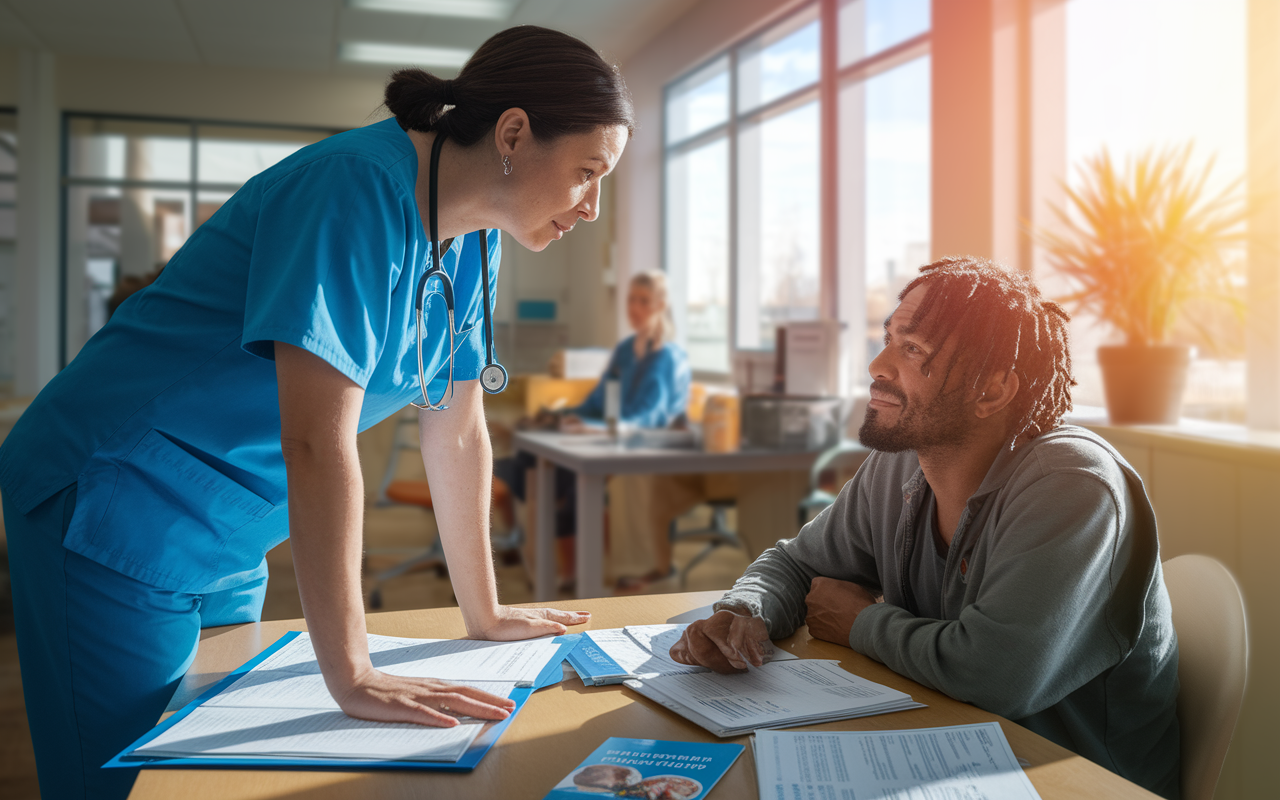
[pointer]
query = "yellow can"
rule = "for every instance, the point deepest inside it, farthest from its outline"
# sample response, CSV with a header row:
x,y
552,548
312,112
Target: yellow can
x,y
721,423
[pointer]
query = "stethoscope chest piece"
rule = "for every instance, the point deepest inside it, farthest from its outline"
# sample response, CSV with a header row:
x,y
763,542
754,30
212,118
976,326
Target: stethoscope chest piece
x,y
493,378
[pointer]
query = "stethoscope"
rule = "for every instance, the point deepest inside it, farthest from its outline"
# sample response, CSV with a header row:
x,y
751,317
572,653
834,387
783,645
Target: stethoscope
x,y
493,378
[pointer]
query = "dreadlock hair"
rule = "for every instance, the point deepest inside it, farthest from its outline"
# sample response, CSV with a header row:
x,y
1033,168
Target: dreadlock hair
x,y
1001,324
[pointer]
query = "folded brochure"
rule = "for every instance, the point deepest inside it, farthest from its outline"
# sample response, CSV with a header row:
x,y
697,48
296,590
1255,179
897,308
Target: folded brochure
x,y
648,769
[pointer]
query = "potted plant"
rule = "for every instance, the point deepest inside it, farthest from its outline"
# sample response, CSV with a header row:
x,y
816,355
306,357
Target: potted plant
x,y
1138,247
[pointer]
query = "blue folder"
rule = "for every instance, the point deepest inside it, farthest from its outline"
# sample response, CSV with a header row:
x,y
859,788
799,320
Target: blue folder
x,y
594,665
549,676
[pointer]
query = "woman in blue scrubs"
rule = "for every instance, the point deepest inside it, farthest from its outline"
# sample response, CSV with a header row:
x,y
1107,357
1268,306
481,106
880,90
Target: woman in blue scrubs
x,y
216,413
652,370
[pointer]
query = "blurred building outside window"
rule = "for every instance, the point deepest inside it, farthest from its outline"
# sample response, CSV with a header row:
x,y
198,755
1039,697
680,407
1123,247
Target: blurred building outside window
x,y
742,192
136,188
1133,85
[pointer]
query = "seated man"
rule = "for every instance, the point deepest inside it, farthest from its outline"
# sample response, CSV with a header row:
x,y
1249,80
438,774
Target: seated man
x,y
985,550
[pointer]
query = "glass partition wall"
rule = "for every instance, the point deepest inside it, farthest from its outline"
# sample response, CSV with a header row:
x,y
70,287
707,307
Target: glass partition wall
x,y
744,179
134,189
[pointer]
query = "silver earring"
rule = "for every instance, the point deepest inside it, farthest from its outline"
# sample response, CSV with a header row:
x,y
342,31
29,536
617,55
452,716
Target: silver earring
x,y
506,165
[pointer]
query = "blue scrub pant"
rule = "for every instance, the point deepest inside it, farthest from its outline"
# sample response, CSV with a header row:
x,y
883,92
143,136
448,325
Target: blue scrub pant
x,y
101,653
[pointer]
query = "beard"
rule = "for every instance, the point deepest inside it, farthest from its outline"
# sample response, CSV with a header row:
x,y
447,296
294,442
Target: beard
x,y
941,422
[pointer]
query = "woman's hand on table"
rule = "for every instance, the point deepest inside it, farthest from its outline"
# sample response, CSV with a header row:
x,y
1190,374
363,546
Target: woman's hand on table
x,y
512,623
726,642
380,697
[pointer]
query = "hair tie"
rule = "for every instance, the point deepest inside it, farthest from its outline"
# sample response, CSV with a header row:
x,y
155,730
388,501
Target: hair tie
x,y
449,98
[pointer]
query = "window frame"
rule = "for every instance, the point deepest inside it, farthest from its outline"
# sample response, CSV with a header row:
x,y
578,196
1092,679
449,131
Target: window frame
x,y
825,91
192,186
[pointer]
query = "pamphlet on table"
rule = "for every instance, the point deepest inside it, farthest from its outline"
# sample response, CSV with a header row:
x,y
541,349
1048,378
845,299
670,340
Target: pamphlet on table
x,y
973,762
648,769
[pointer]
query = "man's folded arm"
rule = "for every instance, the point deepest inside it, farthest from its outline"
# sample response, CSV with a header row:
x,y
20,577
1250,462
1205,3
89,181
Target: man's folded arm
x,y
835,544
1039,627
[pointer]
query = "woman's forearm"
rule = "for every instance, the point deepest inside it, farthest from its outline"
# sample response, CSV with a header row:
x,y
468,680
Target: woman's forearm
x,y
326,504
459,463
319,417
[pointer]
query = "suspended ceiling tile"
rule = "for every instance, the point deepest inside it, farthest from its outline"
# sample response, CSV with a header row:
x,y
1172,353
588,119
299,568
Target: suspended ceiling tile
x,y
15,33
284,19
310,55
356,25
139,29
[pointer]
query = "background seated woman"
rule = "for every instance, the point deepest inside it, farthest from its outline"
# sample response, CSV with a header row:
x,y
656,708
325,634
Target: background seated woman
x,y
654,375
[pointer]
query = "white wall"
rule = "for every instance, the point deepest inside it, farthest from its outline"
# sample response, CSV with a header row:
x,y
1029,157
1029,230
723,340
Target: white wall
x,y
239,95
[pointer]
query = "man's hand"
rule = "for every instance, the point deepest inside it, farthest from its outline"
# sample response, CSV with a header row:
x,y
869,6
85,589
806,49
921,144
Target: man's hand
x,y
725,642
833,606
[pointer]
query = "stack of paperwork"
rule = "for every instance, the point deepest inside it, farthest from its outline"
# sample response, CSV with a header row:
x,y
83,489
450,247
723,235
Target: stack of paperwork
x,y
780,694
969,761
277,708
615,655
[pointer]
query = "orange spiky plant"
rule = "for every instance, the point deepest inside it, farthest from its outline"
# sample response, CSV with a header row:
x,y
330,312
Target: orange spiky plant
x,y
1142,244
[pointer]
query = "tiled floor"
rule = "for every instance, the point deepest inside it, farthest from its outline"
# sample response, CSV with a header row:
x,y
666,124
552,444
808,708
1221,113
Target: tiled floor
x,y
395,528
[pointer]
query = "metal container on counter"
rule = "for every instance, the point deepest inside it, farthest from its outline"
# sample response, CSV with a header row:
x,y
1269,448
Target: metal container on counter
x,y
783,422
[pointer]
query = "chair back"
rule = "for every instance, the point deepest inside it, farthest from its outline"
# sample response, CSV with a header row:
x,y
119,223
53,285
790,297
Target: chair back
x,y
544,391
1213,651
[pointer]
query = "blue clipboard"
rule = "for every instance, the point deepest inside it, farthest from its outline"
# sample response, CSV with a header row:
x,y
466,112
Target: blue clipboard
x,y
549,676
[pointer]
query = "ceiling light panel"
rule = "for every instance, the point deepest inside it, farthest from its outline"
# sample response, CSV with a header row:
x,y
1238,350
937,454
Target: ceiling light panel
x,y
470,9
383,53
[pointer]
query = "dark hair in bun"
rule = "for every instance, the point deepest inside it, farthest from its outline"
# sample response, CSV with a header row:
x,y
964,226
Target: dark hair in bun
x,y
560,82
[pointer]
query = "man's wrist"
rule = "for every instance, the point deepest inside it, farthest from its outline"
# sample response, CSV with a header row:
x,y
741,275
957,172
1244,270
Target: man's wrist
x,y
736,606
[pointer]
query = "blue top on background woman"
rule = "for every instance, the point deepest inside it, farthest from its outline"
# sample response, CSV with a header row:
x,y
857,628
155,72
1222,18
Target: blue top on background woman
x,y
654,370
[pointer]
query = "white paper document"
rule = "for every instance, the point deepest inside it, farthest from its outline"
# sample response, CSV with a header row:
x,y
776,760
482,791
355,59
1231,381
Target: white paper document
x,y
290,677
643,651
307,733
962,762
282,708
778,694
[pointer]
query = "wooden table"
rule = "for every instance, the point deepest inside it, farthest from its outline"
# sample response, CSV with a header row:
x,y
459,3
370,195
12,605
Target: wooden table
x,y
561,725
593,457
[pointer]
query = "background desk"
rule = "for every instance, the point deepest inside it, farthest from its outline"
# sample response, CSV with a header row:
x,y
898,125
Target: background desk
x,y
560,726
593,457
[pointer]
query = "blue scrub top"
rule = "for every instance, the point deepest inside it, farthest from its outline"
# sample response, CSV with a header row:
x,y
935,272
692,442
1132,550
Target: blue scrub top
x,y
655,388
168,420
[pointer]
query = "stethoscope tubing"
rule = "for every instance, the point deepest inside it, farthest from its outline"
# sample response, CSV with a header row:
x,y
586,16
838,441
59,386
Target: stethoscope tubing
x,y
493,376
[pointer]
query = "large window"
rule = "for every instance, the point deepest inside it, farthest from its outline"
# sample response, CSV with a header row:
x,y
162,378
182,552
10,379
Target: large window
x,y
745,182
135,189
1139,80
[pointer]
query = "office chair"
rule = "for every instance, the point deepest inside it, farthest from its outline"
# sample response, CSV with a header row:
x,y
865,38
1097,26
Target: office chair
x,y
716,534
1213,652
822,488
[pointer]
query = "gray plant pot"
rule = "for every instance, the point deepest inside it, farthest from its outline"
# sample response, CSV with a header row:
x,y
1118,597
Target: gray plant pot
x,y
1144,384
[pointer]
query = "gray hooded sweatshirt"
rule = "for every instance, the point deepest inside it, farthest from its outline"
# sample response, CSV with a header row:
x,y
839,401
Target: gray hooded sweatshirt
x,y
1054,610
